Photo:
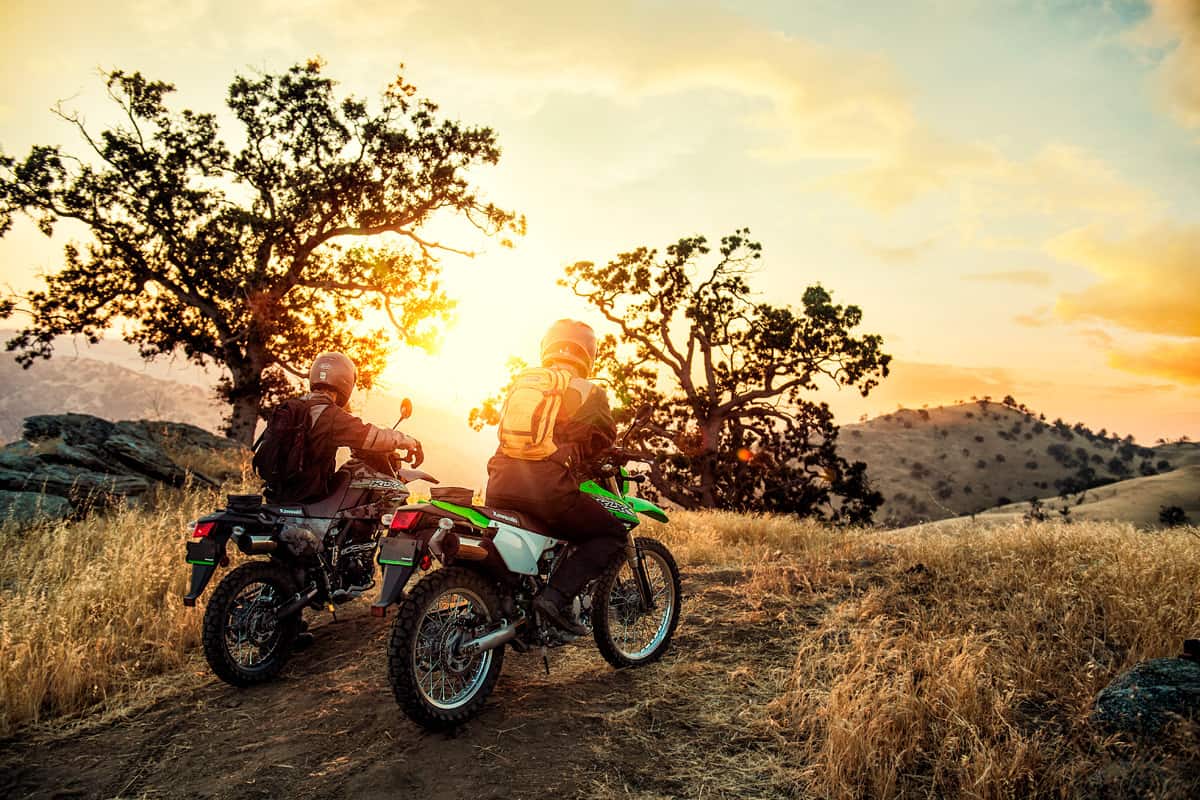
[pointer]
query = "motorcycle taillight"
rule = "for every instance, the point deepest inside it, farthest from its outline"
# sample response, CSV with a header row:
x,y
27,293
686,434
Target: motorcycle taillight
x,y
202,529
405,520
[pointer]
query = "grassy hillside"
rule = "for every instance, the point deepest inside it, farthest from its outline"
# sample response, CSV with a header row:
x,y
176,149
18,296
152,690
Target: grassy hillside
x,y
952,460
943,661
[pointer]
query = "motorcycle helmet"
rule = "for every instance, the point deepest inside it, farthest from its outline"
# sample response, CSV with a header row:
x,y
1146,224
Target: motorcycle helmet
x,y
571,341
335,372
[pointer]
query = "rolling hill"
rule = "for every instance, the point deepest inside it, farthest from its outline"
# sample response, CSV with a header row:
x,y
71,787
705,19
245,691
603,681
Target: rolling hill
x,y
948,461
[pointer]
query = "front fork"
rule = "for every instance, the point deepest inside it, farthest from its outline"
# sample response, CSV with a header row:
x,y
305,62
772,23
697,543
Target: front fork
x,y
637,563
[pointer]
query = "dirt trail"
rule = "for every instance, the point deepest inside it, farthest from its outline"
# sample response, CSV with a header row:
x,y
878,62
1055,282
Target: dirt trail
x,y
330,728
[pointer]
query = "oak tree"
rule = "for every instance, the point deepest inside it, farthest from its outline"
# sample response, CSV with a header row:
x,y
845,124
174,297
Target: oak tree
x,y
252,255
730,378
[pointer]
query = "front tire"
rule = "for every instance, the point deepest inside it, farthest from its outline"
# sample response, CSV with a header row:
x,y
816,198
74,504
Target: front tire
x,y
243,641
436,687
626,635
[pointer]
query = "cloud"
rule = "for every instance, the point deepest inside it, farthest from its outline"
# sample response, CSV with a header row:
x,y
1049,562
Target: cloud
x,y
1149,284
1174,27
899,254
1149,281
1040,317
1176,361
1021,277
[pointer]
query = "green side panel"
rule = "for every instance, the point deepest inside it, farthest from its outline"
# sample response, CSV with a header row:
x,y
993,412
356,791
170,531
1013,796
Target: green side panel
x,y
404,562
463,511
202,563
646,507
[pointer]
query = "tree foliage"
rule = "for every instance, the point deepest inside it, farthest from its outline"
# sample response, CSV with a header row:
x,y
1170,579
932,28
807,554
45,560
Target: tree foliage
x,y
729,378
251,257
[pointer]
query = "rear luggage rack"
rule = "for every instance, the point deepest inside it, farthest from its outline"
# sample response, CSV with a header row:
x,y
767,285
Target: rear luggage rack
x,y
243,502
457,495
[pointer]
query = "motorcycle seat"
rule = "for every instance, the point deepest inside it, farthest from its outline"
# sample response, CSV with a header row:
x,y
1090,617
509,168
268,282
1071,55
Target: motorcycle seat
x,y
328,507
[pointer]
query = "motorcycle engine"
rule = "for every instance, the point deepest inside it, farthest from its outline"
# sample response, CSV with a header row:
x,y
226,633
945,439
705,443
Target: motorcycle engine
x,y
356,557
356,564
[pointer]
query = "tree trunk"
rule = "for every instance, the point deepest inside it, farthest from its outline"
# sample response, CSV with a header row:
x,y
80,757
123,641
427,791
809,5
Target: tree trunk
x,y
243,419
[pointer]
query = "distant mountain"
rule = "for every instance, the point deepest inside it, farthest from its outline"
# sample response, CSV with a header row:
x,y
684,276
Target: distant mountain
x,y
963,459
84,385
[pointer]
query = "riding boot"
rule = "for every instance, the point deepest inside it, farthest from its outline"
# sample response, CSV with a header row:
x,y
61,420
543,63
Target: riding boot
x,y
551,604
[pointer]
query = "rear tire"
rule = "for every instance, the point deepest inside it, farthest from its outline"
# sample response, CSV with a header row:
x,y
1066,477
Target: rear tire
x,y
420,650
243,642
617,618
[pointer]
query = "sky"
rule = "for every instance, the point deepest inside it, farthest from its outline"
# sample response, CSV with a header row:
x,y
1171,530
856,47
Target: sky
x,y
1009,189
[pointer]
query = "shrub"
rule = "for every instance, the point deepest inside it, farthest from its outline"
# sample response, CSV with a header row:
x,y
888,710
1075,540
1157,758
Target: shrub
x,y
1173,516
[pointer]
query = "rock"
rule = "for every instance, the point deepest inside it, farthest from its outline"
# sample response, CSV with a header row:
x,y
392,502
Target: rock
x,y
147,457
81,460
181,433
74,429
30,506
75,483
1149,696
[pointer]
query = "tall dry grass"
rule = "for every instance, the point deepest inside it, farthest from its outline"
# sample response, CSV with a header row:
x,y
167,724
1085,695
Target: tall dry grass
x,y
90,609
968,661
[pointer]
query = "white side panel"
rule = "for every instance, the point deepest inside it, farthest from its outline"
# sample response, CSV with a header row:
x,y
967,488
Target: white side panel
x,y
520,548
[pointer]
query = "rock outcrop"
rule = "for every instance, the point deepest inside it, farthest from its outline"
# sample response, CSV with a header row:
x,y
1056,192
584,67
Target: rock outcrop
x,y
1149,696
67,463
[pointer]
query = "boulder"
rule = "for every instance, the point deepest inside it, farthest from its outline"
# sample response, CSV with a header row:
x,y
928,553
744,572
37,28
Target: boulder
x,y
79,460
72,482
1147,697
74,429
144,455
30,506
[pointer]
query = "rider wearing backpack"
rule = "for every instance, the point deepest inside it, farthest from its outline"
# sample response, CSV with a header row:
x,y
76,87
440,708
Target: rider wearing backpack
x,y
296,454
553,424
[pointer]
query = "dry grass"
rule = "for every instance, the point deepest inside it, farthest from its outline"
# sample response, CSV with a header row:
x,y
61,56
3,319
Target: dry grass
x,y
90,610
916,663
969,667
811,662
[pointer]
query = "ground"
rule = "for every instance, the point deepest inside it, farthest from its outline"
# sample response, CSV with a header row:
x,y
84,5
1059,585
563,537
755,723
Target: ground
x,y
330,728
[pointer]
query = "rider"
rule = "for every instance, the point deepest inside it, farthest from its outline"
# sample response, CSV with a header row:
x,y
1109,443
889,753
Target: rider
x,y
331,381
549,488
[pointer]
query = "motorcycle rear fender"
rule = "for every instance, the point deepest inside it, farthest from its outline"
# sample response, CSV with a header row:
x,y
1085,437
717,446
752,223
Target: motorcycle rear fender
x,y
204,554
398,560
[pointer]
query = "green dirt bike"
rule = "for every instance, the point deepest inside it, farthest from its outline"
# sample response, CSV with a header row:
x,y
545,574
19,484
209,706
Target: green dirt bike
x,y
447,643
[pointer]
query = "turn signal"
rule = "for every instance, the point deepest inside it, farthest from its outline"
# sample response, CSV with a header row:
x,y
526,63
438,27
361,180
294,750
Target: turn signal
x,y
202,529
405,520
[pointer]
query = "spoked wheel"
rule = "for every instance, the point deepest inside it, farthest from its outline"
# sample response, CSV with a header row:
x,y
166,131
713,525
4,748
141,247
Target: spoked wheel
x,y
434,682
244,643
627,634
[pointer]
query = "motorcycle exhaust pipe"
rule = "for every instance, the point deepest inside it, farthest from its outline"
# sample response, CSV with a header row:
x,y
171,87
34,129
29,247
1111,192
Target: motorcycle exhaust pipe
x,y
490,641
296,603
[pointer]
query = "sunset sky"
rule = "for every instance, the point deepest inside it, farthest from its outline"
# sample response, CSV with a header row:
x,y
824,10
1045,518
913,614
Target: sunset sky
x,y
1010,189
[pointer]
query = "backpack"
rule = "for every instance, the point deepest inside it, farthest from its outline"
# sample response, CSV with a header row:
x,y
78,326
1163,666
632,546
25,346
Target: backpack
x,y
280,454
530,411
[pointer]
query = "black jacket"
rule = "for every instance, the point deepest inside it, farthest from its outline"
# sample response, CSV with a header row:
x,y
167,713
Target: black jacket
x,y
333,427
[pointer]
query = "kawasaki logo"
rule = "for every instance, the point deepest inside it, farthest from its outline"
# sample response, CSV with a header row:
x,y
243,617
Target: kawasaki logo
x,y
507,518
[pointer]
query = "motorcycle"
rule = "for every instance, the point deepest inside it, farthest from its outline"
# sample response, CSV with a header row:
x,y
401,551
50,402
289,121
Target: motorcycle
x,y
319,555
446,647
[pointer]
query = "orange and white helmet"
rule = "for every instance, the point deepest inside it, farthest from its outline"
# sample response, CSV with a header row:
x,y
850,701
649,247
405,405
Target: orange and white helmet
x,y
336,372
570,341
